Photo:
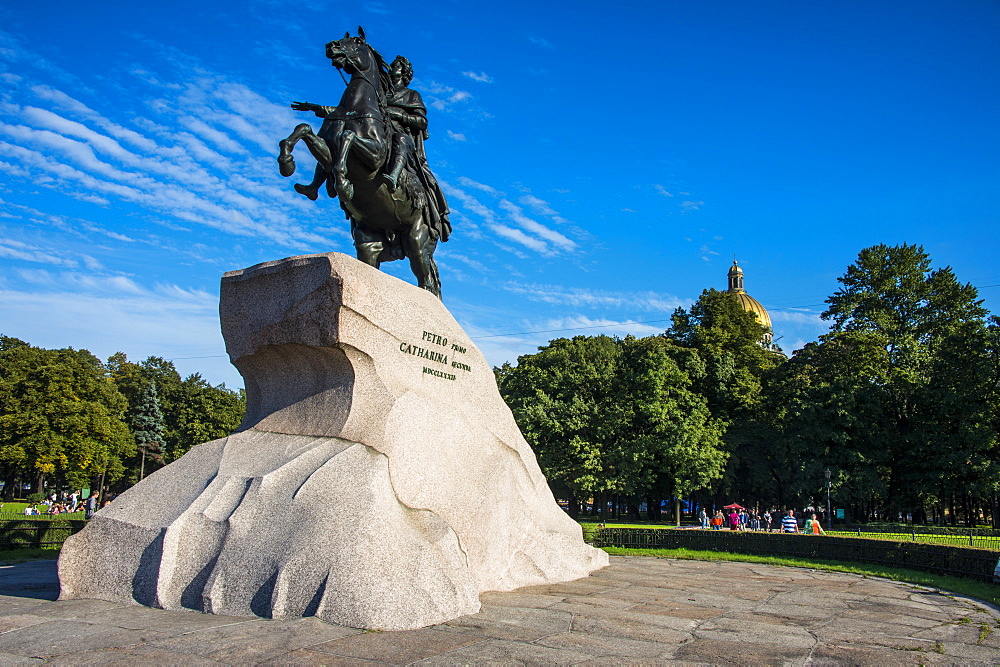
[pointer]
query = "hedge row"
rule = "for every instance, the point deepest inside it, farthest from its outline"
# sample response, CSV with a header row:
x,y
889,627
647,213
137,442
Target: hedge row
x,y
966,562
27,533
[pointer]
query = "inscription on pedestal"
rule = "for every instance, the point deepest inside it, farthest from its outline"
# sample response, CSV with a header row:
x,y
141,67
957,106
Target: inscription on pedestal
x,y
429,354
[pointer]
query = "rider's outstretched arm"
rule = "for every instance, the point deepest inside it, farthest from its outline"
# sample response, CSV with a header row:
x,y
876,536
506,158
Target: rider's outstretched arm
x,y
318,109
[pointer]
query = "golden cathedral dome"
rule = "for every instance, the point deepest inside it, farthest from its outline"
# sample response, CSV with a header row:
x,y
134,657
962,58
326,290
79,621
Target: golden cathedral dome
x,y
748,303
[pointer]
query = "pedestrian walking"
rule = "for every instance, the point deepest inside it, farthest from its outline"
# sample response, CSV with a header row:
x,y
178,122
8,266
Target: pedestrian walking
x,y
813,527
90,506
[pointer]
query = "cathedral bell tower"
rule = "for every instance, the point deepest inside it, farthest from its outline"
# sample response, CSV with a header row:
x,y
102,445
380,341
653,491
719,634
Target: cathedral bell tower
x,y
749,304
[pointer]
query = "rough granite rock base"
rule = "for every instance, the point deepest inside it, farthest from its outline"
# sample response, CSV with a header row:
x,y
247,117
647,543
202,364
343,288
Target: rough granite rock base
x,y
378,480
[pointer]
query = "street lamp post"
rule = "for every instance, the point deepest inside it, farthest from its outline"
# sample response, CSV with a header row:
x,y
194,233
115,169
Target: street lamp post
x,y
829,514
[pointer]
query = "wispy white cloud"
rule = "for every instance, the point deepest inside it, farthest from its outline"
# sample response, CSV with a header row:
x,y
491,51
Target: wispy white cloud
x,y
662,190
523,230
538,205
583,325
481,77
468,202
541,41
456,136
377,8
135,321
798,316
72,148
14,249
691,205
515,213
581,297
518,236
525,337
468,261
469,183
78,282
443,97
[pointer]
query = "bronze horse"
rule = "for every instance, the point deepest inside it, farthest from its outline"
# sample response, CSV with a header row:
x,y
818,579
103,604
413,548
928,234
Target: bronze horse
x,y
352,148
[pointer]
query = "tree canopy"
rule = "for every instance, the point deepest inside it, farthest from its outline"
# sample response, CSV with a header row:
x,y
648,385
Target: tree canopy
x,y
72,421
607,415
60,415
900,401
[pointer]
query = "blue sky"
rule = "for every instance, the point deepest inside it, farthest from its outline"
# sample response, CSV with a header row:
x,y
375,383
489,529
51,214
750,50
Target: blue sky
x,y
604,163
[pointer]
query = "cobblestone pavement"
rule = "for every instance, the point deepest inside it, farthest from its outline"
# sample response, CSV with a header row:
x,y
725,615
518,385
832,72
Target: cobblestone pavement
x,y
637,611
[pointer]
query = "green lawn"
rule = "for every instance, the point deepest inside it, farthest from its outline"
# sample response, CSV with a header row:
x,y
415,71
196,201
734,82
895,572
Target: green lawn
x,y
974,589
17,508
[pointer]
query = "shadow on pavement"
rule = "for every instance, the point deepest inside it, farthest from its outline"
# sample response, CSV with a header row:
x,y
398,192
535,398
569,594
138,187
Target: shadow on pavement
x,y
32,579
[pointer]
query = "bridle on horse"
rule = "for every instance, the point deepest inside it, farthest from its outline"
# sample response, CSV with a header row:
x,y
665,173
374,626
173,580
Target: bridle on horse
x,y
380,97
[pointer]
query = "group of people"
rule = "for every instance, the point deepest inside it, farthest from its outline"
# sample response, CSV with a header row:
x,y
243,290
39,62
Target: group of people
x,y
766,521
65,503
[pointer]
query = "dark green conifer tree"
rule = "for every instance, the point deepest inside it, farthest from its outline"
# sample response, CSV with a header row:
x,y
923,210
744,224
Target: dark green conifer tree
x,y
146,422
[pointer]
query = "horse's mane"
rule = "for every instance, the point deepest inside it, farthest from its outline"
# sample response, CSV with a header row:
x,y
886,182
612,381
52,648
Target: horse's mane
x,y
384,80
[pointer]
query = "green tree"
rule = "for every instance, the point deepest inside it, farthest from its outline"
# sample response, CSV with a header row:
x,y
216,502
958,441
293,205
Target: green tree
x,y
204,412
920,323
608,416
194,411
559,397
955,441
665,431
146,421
823,408
730,342
60,416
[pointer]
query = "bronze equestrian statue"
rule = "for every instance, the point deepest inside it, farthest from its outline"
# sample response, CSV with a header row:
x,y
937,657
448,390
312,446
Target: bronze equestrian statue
x,y
370,154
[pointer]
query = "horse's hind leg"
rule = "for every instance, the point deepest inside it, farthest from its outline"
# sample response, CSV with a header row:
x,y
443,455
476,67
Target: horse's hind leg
x,y
321,151
368,244
312,190
419,248
345,190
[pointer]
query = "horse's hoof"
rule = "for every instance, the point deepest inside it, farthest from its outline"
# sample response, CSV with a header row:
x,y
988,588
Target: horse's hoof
x,y
309,192
286,165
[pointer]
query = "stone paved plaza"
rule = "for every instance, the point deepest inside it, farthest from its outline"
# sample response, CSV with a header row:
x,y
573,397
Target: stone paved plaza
x,y
637,611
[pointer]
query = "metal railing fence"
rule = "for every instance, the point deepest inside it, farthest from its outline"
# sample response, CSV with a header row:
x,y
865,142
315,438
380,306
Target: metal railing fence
x,y
28,534
20,516
985,538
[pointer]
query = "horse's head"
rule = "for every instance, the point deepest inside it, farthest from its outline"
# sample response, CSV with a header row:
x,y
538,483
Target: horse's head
x,y
351,54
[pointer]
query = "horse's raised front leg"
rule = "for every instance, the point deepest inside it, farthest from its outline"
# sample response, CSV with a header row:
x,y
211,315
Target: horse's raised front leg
x,y
286,163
